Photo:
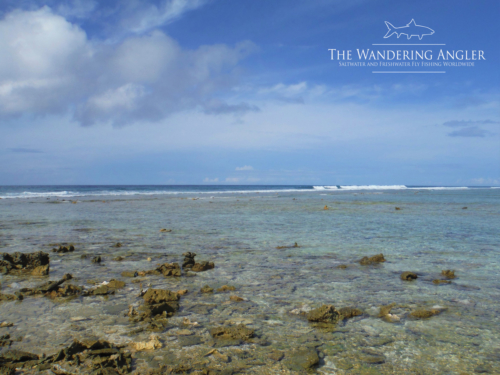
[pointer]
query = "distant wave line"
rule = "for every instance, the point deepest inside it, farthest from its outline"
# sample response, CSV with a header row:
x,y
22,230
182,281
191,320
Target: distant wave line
x,y
262,190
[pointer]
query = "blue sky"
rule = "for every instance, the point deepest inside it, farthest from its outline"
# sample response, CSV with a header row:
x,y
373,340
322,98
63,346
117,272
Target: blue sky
x,y
243,92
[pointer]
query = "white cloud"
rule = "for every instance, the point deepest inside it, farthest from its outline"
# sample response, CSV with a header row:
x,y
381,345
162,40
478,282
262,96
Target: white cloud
x,y
49,65
209,180
485,181
142,18
41,56
232,180
245,168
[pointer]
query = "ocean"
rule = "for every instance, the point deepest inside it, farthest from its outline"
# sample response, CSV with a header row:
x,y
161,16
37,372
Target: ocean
x,y
281,248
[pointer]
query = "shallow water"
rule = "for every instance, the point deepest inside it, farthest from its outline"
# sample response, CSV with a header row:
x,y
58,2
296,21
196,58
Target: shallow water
x,y
240,232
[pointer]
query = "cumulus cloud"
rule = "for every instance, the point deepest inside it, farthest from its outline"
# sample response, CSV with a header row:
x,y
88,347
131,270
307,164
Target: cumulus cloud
x,y
245,168
49,65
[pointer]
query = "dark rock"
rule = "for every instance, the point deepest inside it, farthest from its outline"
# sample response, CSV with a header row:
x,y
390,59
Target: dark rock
x,y
102,290
203,266
349,312
5,340
239,332
48,287
206,289
449,274
188,261
65,291
154,296
324,314
41,270
8,297
288,247
366,261
97,259
96,357
226,288
16,263
15,356
385,313
425,314
437,281
409,276
116,284
169,269
64,249
159,304
130,274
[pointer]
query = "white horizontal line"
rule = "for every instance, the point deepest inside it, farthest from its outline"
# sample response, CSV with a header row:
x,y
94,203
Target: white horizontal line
x,y
405,72
408,44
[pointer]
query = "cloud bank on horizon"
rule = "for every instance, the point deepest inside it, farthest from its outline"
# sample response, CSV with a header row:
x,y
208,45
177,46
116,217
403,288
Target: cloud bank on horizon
x,y
173,91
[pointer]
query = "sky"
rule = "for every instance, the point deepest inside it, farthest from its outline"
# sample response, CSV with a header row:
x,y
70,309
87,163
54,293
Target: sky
x,y
244,92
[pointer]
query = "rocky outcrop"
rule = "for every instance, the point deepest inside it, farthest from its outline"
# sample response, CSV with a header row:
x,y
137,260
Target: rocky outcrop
x,y
52,288
238,332
324,314
349,312
295,245
64,249
385,313
438,281
10,297
236,299
188,261
20,263
169,269
153,343
203,266
226,288
130,274
425,314
409,276
366,261
158,305
206,289
449,274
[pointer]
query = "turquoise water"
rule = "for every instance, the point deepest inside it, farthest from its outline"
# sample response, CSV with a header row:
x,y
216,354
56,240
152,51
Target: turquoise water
x,y
239,228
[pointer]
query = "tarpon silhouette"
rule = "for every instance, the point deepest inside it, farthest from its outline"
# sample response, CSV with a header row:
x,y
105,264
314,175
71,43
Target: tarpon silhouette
x,y
412,29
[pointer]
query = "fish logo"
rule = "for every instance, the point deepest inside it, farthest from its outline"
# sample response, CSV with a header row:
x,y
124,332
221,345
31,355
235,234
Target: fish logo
x,y
411,29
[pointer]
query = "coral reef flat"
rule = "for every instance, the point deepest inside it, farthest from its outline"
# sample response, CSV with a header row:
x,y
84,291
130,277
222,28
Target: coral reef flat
x,y
254,282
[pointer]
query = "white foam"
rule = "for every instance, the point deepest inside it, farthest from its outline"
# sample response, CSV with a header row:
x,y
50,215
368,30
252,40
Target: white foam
x,y
116,193
66,194
373,187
